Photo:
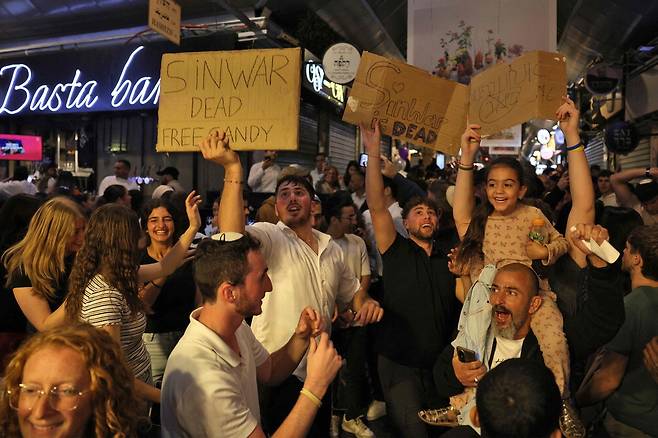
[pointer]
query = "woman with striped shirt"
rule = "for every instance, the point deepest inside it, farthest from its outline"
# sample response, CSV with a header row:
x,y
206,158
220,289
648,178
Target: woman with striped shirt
x,y
103,287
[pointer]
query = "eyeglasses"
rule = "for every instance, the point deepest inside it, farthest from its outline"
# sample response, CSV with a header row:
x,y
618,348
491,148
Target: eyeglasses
x,y
60,399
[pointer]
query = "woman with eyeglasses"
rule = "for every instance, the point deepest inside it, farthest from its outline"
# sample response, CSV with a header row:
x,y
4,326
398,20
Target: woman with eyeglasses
x,y
69,382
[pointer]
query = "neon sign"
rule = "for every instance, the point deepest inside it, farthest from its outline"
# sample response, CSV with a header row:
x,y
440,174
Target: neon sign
x,y
314,79
25,88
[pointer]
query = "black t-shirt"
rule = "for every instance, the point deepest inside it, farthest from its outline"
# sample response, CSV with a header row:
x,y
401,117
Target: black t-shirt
x,y
172,308
420,307
12,318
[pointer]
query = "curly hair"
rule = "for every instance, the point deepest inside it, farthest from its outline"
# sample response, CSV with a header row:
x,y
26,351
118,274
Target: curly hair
x,y
110,249
40,254
113,398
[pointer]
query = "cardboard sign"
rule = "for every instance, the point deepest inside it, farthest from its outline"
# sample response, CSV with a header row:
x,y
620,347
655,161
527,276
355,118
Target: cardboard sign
x,y
252,95
164,18
409,103
531,87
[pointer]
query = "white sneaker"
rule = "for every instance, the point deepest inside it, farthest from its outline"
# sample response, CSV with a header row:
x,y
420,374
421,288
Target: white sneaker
x,y
357,427
376,410
334,429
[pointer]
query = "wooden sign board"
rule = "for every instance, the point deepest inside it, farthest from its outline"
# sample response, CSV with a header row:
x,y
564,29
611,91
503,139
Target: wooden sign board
x,y
531,87
164,18
409,103
252,95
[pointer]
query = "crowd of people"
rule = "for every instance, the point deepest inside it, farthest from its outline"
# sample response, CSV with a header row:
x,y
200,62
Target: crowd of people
x,y
461,302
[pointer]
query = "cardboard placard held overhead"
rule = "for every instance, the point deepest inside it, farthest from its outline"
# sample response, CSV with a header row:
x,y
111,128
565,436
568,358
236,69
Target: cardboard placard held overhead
x,y
409,103
252,95
505,95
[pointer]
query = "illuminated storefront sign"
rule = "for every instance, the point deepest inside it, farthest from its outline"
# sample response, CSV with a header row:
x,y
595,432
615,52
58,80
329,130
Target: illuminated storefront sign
x,y
99,80
313,78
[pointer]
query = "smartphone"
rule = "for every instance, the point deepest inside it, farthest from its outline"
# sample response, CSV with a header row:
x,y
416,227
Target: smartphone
x,y
441,161
363,160
465,355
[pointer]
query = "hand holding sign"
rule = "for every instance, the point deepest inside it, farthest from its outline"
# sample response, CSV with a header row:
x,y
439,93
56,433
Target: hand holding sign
x,y
470,144
592,240
371,139
568,116
215,148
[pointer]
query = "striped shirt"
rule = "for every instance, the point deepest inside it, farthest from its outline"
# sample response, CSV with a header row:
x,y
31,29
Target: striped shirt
x,y
103,305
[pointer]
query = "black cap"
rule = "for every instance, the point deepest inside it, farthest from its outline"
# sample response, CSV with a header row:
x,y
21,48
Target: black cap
x,y
646,190
169,171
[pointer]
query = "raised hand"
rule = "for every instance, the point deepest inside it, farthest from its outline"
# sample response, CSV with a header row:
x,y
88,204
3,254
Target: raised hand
x,y
216,148
371,139
192,203
310,323
470,143
568,117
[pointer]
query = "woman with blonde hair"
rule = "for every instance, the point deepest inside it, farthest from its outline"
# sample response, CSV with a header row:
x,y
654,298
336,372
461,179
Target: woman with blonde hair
x,y
104,282
70,381
39,265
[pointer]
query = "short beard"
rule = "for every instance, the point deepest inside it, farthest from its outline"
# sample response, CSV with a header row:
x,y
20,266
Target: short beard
x,y
419,236
506,333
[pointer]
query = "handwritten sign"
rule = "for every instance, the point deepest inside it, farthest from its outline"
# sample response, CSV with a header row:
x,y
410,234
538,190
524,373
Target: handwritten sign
x,y
164,18
508,94
409,103
252,95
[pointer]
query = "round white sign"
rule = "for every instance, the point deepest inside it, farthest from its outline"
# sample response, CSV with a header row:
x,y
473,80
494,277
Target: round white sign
x,y
340,62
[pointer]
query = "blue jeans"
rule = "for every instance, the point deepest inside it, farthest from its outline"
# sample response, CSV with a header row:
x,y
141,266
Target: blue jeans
x,y
159,347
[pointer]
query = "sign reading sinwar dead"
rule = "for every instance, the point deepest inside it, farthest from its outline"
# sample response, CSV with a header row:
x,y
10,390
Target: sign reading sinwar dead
x,y
252,95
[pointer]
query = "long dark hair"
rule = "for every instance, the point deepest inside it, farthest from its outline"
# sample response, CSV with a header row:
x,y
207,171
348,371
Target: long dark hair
x,y
167,205
470,248
110,248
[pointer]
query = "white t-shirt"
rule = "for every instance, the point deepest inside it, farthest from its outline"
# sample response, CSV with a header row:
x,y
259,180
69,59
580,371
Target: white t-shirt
x,y
358,200
208,389
300,278
113,180
263,181
355,254
11,188
506,349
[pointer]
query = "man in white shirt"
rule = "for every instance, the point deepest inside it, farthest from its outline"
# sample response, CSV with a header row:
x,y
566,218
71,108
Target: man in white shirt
x,y
17,184
608,196
341,215
357,185
209,386
120,177
306,268
264,174
645,198
318,171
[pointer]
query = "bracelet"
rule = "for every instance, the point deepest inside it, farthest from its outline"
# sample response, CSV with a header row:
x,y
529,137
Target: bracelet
x,y
316,401
235,181
464,167
155,285
578,146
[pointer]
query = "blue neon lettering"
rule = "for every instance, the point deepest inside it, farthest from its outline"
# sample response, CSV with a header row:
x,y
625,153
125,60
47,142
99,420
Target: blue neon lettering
x,y
12,86
76,94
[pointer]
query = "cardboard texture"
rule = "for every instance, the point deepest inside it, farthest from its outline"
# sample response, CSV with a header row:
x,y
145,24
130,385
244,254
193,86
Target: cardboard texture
x,y
164,18
429,111
531,87
409,103
252,95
